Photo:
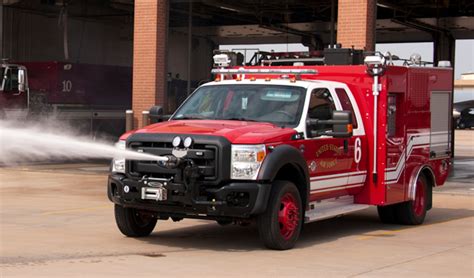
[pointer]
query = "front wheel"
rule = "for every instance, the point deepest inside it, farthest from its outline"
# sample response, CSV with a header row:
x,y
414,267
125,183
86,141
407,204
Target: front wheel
x,y
280,225
132,223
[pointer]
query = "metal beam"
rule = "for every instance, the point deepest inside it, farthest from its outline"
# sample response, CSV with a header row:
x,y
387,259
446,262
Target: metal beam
x,y
394,7
284,29
413,23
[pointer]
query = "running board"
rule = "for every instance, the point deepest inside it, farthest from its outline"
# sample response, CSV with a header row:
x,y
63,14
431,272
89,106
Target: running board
x,y
331,208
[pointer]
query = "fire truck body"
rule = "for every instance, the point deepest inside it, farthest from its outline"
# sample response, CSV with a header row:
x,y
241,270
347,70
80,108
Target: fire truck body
x,y
413,134
413,130
362,135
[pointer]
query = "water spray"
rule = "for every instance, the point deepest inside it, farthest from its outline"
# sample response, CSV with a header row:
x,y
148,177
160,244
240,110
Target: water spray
x,y
20,142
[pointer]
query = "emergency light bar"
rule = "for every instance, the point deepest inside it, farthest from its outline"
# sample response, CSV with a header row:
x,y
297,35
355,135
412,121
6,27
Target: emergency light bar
x,y
264,71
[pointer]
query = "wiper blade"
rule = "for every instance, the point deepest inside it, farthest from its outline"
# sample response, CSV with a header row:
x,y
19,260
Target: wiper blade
x,y
190,117
240,119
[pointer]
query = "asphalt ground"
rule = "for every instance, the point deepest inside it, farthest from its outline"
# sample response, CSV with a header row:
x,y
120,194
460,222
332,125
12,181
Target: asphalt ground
x,y
56,221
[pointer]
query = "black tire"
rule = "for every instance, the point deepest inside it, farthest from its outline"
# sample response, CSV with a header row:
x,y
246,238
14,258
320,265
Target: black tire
x,y
285,200
388,214
413,212
132,224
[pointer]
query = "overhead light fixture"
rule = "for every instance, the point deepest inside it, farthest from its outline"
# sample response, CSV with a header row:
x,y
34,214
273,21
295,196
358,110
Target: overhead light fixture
x,y
227,7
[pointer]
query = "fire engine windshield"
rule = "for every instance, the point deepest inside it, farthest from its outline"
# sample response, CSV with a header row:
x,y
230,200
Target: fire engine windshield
x,y
10,79
277,104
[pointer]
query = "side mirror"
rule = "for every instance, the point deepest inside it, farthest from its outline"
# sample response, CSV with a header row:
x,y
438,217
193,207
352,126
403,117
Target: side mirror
x,y
341,123
156,115
21,80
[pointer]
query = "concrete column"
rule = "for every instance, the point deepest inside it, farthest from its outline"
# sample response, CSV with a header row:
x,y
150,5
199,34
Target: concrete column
x,y
356,23
444,45
149,56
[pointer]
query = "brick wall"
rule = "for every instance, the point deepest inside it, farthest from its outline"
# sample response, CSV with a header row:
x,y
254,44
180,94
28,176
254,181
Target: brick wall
x,y
356,23
149,56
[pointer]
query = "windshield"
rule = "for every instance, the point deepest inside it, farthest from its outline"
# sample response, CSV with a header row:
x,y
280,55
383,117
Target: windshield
x,y
11,81
277,104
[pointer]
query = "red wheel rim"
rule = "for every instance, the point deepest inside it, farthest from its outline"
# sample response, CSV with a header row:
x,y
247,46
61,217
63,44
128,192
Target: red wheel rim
x,y
288,216
419,202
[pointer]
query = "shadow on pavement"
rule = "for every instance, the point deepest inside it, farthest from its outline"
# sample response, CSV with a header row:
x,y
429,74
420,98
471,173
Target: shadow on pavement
x,y
241,239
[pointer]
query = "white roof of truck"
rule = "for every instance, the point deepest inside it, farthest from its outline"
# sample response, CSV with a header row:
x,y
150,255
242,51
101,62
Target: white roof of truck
x,y
283,82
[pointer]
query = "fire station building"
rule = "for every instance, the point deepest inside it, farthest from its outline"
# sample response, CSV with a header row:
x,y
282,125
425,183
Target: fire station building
x,y
169,44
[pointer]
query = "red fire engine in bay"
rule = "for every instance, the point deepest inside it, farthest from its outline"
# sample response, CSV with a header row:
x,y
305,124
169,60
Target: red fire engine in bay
x,y
91,98
286,145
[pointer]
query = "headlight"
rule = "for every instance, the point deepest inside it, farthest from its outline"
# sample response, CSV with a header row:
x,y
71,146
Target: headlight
x,y
246,161
118,163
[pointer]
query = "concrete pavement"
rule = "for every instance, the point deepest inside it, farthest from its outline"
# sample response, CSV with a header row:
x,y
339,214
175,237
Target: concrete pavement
x,y
56,221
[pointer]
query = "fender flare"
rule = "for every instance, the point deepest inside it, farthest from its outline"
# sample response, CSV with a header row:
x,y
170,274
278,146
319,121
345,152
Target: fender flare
x,y
279,157
412,183
414,177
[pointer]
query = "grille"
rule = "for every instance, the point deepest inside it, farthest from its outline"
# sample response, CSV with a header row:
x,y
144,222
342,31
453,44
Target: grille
x,y
203,155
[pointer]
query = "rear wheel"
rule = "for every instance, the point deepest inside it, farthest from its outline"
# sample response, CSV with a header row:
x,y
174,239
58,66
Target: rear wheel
x,y
280,225
132,223
413,212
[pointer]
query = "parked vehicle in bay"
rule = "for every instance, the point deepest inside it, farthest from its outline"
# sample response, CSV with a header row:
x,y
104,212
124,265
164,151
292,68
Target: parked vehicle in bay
x,y
91,98
466,118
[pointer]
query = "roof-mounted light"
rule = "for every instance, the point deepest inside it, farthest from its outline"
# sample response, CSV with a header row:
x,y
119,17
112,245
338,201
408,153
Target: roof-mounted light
x,y
415,59
375,64
222,60
444,64
374,60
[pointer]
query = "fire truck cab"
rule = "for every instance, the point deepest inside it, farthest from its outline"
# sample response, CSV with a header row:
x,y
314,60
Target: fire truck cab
x,y
13,88
288,145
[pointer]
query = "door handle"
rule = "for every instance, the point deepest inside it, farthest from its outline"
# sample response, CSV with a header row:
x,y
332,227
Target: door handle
x,y
346,145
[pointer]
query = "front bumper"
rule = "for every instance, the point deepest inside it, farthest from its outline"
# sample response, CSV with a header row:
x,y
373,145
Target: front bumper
x,y
236,199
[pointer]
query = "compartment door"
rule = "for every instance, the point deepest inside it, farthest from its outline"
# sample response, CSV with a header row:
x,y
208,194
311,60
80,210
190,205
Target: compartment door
x,y
440,134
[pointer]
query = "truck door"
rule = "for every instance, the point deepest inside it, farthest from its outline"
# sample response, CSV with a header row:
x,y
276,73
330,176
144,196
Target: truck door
x,y
329,159
358,153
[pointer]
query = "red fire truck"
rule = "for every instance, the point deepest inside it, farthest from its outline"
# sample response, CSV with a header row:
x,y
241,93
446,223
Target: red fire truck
x,y
92,98
287,145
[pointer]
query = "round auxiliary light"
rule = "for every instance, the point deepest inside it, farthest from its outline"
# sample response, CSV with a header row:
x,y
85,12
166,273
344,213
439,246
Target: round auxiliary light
x,y
188,141
176,141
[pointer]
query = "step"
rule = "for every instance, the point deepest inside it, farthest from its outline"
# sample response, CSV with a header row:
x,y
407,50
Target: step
x,y
331,208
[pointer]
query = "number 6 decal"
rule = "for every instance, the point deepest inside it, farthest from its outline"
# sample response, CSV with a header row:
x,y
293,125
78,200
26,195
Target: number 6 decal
x,y
357,150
